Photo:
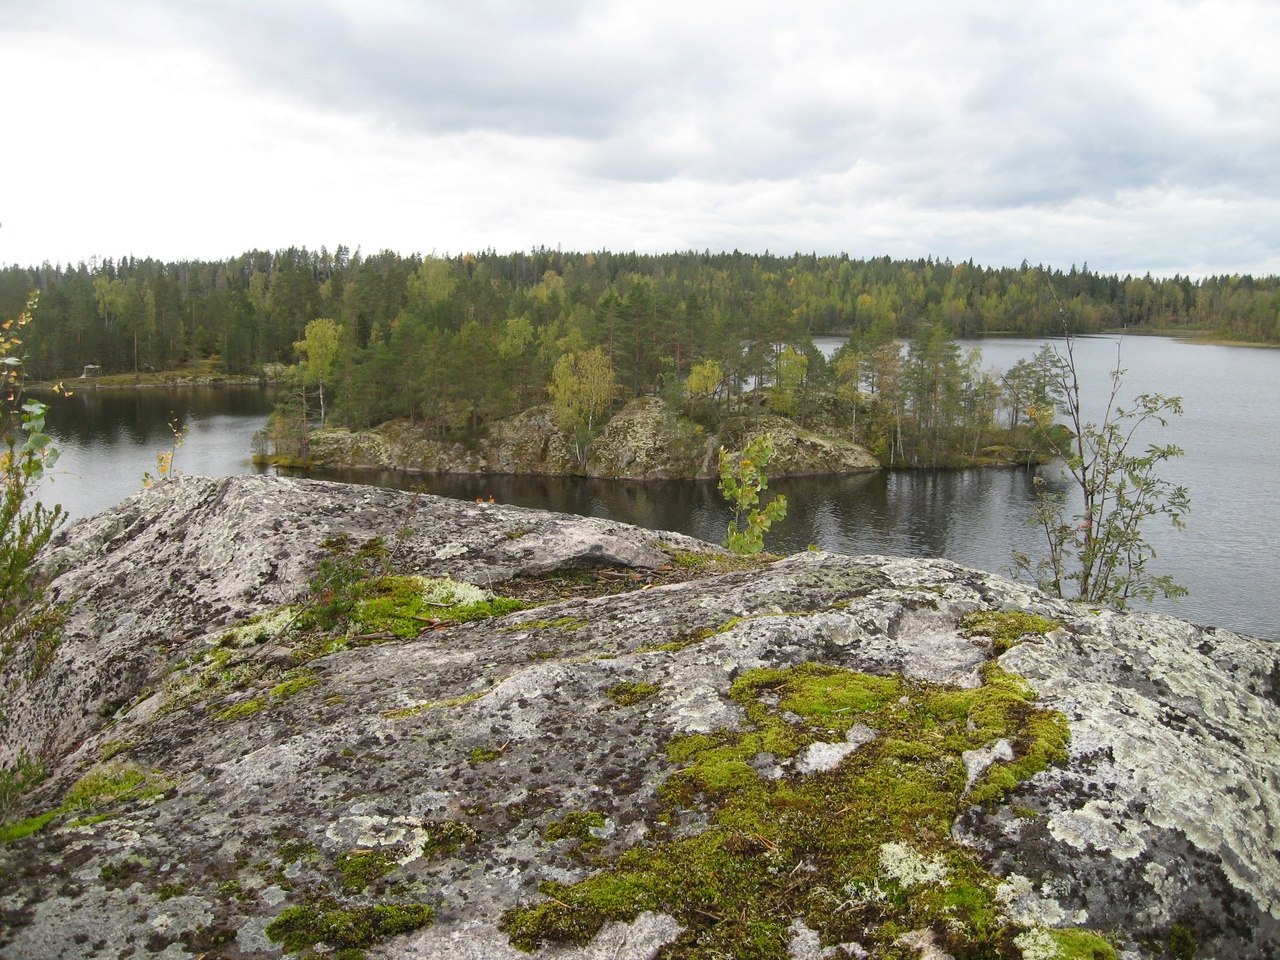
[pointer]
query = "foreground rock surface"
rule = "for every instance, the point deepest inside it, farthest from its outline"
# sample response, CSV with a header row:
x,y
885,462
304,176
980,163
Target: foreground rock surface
x,y
466,764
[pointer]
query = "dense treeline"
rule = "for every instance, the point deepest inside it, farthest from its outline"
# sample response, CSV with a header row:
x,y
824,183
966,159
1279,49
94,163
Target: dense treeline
x,y
129,314
450,343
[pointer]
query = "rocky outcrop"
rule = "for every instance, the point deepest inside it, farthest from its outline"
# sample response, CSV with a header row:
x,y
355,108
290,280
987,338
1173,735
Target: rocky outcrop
x,y
822,756
646,440
148,579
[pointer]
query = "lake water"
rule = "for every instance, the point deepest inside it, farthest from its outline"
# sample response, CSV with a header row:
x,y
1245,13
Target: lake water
x,y
1226,556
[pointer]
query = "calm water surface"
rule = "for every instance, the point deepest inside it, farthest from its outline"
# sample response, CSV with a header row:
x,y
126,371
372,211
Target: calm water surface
x,y
107,439
1226,557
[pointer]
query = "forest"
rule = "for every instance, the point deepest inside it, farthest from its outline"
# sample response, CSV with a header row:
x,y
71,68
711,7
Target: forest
x,y
453,342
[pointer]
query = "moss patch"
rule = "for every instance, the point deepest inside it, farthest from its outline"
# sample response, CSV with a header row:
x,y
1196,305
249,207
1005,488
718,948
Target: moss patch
x,y
359,868
1005,627
25,827
113,748
106,785
401,713
447,837
629,693
294,682
560,623
325,921
112,783
575,825
870,838
241,711
715,562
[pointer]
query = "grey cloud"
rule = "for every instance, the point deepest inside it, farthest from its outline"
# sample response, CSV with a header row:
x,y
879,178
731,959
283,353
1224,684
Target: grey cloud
x,y
960,121
525,69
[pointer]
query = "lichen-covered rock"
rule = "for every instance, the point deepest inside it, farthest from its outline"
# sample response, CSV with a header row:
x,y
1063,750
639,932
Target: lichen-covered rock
x,y
193,555
645,440
815,757
799,452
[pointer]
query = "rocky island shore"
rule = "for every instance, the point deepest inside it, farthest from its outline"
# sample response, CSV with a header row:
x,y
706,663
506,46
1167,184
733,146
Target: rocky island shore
x,y
307,719
645,440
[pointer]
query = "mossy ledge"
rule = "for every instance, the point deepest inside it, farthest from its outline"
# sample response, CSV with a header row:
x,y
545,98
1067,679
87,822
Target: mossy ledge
x,y
870,834
658,719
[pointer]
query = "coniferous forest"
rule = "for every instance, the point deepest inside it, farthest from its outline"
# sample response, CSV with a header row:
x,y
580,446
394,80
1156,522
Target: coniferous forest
x,y
450,343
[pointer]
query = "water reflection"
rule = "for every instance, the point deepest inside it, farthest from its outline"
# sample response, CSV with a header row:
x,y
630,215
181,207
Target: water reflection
x,y
971,516
107,438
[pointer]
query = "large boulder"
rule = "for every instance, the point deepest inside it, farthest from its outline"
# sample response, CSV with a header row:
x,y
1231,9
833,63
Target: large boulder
x,y
820,756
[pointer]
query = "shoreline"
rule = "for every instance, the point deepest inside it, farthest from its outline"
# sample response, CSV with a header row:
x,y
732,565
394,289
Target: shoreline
x,y
93,383
312,469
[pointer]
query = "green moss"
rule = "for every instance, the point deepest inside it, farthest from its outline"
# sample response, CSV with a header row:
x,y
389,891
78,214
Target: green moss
x,y
104,786
296,682
1182,943
402,605
355,592
24,775
392,604
232,888
89,821
294,850
324,921
1081,945
1039,737
629,693
112,783
240,711
575,825
24,828
872,835
217,672
446,837
681,641
484,755
1005,627
359,868
688,560
167,891
113,748
714,562
401,713
484,610
817,691
560,623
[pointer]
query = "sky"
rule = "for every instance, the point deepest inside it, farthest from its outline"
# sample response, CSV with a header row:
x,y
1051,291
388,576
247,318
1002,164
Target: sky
x,y
1133,136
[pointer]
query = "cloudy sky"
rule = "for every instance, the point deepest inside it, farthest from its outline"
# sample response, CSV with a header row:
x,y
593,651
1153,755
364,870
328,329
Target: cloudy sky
x,y
1133,135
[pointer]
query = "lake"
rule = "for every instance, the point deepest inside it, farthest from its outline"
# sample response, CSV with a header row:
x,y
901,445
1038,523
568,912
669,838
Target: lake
x,y
1231,397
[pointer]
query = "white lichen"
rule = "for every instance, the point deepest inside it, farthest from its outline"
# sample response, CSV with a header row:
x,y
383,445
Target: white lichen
x,y
1037,944
260,629
1022,903
452,592
909,869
